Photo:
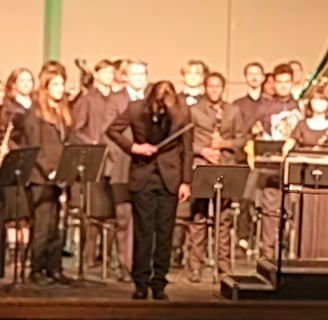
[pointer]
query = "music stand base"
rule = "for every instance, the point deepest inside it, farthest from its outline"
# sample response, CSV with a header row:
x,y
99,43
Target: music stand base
x,y
84,282
12,287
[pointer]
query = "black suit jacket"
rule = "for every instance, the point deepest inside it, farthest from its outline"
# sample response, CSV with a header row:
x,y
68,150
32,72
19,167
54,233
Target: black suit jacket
x,y
174,161
39,133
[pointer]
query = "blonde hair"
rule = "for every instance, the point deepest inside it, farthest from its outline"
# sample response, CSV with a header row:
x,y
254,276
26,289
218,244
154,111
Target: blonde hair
x,y
130,62
191,63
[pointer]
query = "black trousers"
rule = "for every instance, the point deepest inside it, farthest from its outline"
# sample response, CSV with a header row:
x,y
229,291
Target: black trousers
x,y
244,219
46,243
154,211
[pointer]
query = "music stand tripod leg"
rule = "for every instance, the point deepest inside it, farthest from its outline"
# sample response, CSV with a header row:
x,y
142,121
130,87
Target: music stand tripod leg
x,y
83,205
210,232
14,283
258,235
17,229
105,253
234,230
81,170
218,186
281,236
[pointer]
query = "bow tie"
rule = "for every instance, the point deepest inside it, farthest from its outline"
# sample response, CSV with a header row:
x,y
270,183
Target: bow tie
x,y
137,96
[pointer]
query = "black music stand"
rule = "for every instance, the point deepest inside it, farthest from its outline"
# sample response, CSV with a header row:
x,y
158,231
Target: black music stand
x,y
15,171
268,147
219,181
300,174
81,163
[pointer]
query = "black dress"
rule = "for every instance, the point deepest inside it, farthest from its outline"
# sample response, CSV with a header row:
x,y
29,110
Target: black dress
x,y
15,113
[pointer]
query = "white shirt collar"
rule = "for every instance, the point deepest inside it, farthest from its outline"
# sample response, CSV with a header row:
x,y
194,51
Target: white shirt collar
x,y
135,95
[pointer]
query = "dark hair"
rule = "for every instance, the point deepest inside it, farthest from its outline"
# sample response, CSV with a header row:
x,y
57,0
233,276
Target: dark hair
x,y
9,89
53,66
299,63
104,63
117,64
318,91
282,68
266,78
43,110
215,75
253,64
151,98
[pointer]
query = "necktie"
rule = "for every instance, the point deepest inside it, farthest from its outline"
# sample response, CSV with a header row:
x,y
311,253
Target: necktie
x,y
139,95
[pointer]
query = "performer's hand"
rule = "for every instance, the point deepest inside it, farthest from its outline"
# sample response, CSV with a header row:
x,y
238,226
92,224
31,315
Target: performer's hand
x,y
169,100
4,150
212,156
184,192
257,128
144,149
52,175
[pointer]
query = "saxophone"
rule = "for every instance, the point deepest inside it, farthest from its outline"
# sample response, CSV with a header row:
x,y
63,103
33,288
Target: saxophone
x,y
257,134
4,148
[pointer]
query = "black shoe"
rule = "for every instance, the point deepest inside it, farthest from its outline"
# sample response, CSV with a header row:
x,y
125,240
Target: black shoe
x,y
160,295
39,279
67,254
140,294
59,278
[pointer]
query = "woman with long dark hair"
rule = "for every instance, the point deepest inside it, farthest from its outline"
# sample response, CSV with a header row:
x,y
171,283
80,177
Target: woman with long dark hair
x,y
48,127
17,103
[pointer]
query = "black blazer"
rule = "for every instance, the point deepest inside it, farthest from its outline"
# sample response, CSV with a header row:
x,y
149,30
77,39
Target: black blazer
x,y
38,132
174,161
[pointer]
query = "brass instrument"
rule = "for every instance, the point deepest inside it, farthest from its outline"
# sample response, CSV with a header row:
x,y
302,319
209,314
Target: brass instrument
x,y
4,148
318,77
249,150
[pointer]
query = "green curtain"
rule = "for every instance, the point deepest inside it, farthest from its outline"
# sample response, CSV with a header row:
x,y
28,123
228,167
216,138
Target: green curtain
x,y
52,28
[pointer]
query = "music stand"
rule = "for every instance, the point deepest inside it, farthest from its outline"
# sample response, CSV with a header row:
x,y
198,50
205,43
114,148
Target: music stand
x,y
15,170
268,147
81,163
219,181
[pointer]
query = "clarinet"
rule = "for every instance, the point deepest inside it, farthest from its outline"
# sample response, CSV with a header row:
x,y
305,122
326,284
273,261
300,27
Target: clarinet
x,y
217,132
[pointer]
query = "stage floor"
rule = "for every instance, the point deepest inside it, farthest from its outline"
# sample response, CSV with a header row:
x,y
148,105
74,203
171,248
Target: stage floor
x,y
112,300
179,288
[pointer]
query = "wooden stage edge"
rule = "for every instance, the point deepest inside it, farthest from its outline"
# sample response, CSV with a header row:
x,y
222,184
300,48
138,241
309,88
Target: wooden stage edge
x,y
102,308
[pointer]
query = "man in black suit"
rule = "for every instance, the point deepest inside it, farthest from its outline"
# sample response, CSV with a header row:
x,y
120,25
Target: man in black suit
x,y
135,73
158,179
